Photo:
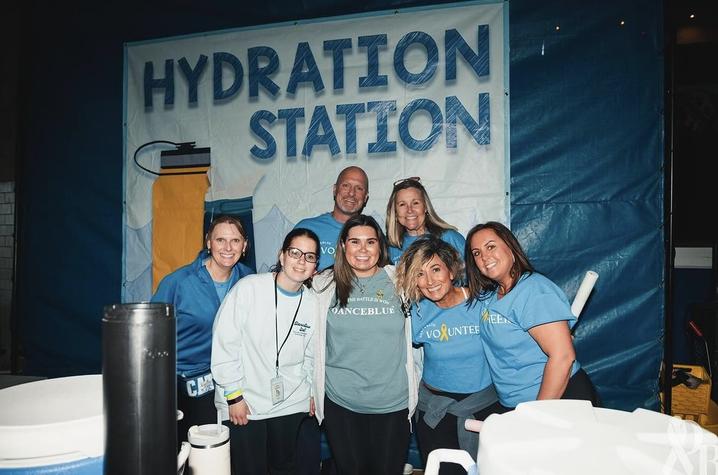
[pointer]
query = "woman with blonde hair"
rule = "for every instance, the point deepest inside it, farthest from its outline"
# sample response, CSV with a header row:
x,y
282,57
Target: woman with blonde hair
x,y
410,215
456,382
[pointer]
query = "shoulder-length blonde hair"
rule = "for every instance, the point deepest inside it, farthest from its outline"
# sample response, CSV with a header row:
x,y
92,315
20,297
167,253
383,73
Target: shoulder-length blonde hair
x,y
419,253
433,223
344,276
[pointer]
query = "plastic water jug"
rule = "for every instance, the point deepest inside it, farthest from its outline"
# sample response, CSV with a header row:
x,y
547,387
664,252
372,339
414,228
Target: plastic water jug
x,y
210,450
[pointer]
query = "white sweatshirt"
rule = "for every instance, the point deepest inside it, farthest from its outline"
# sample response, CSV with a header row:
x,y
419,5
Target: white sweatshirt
x,y
244,347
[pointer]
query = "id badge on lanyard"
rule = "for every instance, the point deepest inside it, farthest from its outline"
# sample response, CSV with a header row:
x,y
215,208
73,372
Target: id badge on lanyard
x,y
276,384
277,388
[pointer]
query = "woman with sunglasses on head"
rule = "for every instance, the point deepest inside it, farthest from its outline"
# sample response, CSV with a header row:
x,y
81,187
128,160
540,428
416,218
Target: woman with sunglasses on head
x,y
196,292
525,322
263,357
410,215
456,382
365,377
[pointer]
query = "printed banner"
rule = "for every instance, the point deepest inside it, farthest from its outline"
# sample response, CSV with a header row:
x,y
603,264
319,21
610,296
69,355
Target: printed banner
x,y
284,108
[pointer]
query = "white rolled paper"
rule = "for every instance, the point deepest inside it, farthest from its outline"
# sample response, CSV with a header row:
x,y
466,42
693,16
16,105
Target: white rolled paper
x,y
473,425
583,292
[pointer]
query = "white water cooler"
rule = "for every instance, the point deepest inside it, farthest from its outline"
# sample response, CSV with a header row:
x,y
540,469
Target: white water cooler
x,y
566,437
53,426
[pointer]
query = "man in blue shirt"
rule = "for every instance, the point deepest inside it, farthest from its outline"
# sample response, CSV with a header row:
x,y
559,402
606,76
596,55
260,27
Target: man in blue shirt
x,y
351,192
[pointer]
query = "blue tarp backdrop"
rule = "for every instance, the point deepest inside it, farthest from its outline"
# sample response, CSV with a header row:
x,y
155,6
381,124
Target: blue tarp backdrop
x,y
586,186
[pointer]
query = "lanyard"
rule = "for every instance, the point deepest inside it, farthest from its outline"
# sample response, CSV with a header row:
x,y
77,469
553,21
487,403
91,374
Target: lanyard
x,y
276,323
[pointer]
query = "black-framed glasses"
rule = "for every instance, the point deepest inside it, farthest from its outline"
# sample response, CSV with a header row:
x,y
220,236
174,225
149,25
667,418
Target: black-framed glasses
x,y
411,178
310,257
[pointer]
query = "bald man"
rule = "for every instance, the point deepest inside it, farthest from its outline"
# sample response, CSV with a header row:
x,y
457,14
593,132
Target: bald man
x,y
351,192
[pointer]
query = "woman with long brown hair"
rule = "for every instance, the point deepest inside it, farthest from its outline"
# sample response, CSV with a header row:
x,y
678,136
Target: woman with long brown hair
x,y
365,377
525,322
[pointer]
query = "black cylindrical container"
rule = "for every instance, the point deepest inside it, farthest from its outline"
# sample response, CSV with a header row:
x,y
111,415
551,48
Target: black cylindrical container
x,y
140,389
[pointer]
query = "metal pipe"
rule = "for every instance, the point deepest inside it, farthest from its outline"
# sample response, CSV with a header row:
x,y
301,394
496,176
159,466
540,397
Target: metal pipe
x,y
669,42
140,389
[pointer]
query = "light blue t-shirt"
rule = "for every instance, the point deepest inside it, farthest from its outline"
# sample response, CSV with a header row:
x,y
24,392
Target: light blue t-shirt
x,y
221,288
515,359
454,359
327,229
366,349
449,236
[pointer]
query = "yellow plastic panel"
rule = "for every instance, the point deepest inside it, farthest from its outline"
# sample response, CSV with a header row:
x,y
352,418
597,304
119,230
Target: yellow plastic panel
x,y
177,220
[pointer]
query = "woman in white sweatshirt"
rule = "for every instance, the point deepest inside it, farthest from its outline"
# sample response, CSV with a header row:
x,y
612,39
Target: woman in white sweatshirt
x,y
263,359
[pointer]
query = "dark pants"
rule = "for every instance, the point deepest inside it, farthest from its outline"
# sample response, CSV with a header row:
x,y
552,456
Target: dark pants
x,y
197,411
579,387
445,435
364,444
308,447
265,446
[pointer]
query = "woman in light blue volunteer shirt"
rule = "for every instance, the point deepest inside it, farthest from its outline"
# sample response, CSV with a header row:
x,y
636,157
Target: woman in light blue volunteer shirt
x,y
456,382
365,378
410,215
525,322
196,291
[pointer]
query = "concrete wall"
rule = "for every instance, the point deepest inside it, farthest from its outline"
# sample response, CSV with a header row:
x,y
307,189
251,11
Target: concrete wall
x,y
7,254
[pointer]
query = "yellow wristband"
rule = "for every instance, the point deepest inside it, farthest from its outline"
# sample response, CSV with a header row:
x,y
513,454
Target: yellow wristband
x,y
233,395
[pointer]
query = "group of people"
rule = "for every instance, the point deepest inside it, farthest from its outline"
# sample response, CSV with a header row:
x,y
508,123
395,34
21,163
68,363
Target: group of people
x,y
371,335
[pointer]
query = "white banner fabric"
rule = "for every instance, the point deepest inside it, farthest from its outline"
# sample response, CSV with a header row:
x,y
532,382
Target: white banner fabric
x,y
285,107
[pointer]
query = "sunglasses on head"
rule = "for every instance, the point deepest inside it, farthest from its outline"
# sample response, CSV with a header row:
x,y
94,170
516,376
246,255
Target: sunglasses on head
x,y
403,180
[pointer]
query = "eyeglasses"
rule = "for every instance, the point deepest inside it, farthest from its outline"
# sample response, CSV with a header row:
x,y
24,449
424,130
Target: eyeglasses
x,y
413,178
310,257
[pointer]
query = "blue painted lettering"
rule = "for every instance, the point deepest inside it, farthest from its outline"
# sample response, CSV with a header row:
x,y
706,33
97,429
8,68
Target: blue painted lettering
x,y
167,83
259,76
222,61
382,109
320,119
479,60
432,57
350,111
480,131
337,48
372,44
304,57
437,121
255,123
291,116
192,75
